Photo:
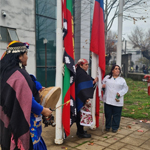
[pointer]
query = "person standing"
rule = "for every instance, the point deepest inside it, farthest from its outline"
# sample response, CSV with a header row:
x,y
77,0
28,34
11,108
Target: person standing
x,y
84,86
115,89
18,100
137,67
143,68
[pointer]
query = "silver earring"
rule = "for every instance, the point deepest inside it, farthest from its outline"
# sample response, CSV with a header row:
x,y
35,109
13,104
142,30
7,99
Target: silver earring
x,y
20,65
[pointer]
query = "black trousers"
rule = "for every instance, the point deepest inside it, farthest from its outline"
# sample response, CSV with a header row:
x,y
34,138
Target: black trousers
x,y
113,116
79,127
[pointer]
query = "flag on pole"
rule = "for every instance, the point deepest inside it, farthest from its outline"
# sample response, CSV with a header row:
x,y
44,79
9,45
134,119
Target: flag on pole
x,y
97,46
69,111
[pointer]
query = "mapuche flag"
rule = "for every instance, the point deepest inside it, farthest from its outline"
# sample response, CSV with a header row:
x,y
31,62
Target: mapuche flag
x,y
97,46
69,111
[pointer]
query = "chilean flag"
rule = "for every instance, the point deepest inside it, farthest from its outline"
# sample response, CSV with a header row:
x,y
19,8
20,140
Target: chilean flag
x,y
97,46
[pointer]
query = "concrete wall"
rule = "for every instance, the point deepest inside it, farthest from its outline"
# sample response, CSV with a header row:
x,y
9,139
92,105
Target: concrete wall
x,y
136,76
82,29
20,15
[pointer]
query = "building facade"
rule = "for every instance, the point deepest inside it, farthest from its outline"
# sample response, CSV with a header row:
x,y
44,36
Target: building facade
x,y
34,21
18,24
45,41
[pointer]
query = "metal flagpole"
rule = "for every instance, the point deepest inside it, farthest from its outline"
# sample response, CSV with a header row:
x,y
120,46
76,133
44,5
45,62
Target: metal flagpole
x,y
119,43
94,74
59,60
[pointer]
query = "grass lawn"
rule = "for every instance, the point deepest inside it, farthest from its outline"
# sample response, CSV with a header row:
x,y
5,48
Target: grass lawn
x,y
136,101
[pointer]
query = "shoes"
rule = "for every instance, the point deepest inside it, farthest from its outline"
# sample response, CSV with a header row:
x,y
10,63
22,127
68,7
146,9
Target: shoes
x,y
84,135
84,132
107,129
114,131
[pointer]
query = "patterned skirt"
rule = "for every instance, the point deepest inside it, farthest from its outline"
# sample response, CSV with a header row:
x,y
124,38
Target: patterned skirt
x,y
35,132
85,115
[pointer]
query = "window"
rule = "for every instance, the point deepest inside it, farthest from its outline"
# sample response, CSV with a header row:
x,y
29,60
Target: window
x,y
46,53
4,35
13,34
8,35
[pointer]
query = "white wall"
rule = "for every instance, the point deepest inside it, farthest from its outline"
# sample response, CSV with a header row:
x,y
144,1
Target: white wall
x,y
20,15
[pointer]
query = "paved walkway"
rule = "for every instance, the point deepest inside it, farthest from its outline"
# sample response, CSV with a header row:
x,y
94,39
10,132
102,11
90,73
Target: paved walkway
x,y
132,135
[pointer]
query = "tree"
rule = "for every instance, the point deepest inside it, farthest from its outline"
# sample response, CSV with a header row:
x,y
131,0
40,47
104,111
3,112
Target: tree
x,y
111,46
140,39
112,6
111,9
129,7
111,41
144,61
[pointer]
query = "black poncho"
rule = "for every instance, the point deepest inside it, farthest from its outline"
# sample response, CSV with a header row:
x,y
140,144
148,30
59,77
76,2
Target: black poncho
x,y
84,87
16,93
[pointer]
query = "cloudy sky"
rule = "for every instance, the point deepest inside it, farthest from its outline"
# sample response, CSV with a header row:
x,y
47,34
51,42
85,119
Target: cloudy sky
x,y
129,26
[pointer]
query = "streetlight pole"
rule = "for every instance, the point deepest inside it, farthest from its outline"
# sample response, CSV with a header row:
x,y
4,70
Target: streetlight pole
x,y
45,43
119,43
125,46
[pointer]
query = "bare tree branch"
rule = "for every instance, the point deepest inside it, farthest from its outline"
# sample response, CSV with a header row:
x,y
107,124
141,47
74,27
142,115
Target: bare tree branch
x,y
128,8
141,40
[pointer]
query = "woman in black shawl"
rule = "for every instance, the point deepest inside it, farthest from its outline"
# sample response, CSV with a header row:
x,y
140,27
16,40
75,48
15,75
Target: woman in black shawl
x,y
84,85
18,98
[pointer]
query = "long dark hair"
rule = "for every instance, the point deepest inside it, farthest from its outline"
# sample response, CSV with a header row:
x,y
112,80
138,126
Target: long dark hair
x,y
9,61
113,67
10,58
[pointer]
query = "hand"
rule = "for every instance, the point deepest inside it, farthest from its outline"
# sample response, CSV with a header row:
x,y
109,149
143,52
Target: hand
x,y
104,86
46,112
95,80
118,94
87,103
87,100
41,89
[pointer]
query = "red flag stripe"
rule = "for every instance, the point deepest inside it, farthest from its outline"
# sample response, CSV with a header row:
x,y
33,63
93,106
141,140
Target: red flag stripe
x,y
97,45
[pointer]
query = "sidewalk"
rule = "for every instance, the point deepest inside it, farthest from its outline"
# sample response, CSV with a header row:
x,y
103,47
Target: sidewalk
x,y
127,138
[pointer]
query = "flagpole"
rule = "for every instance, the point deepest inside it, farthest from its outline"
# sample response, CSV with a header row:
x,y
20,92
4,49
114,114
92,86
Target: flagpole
x,y
98,58
59,60
94,74
119,43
